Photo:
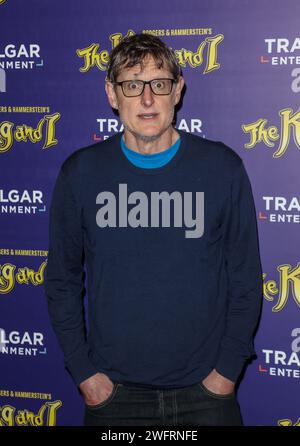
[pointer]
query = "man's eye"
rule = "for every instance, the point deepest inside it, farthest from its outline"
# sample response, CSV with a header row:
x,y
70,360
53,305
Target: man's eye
x,y
133,86
159,84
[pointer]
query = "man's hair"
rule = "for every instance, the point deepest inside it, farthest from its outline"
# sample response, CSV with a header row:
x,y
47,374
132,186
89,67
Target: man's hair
x,y
133,50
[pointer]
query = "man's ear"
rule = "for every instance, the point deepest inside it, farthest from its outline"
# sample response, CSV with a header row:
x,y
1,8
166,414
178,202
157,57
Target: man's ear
x,y
178,89
111,95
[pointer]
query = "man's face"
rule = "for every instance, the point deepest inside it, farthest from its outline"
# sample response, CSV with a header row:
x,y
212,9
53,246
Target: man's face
x,y
146,116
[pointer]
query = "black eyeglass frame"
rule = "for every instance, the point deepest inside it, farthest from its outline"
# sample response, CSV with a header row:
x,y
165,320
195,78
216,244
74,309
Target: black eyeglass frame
x,y
149,83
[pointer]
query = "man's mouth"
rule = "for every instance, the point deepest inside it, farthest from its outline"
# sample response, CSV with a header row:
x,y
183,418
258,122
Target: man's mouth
x,y
148,115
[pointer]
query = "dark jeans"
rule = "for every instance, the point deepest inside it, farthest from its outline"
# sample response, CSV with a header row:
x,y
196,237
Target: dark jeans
x,y
186,406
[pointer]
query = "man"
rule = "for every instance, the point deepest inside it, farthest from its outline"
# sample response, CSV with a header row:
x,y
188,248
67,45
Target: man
x,y
166,223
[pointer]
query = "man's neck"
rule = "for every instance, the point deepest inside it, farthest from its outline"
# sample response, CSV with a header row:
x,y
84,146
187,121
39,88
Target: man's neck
x,y
164,142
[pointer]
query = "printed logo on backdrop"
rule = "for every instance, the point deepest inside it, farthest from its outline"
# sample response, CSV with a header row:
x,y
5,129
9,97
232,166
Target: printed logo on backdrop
x,y
288,288
14,201
288,422
109,126
15,343
282,363
276,138
12,275
280,210
282,52
20,57
205,54
34,132
46,415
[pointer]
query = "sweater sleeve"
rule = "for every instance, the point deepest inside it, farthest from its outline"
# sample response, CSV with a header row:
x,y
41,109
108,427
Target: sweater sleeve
x,y
64,283
244,273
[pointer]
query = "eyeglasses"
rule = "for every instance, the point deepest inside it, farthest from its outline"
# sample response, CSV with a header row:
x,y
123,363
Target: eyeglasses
x,y
160,87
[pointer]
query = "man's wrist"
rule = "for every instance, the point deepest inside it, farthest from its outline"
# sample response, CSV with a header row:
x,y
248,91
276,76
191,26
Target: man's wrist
x,y
217,383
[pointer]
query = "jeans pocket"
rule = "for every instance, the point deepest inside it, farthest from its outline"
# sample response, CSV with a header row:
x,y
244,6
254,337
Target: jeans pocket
x,y
107,400
217,396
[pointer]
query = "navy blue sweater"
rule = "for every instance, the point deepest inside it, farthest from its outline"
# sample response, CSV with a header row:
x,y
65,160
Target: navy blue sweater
x,y
174,280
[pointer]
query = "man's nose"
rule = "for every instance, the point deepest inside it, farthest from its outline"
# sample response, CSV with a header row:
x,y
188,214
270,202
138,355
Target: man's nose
x,y
147,96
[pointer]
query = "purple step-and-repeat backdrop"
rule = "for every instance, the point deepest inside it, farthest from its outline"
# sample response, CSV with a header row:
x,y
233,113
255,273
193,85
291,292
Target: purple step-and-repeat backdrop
x,y
241,63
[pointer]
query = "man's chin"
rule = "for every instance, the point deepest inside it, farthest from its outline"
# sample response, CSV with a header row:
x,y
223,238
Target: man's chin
x,y
147,137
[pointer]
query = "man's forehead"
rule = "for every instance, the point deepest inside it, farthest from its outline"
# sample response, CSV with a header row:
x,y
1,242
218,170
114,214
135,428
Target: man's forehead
x,y
148,65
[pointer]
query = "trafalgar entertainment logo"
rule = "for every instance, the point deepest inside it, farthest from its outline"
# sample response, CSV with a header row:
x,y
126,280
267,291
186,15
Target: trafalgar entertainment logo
x,y
282,363
282,52
280,209
20,57
107,127
16,343
14,201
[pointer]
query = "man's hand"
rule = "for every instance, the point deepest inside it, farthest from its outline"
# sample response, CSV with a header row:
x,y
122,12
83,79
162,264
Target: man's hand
x,y
96,389
218,384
